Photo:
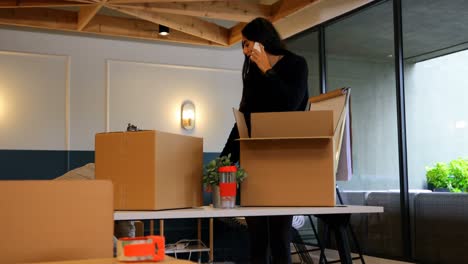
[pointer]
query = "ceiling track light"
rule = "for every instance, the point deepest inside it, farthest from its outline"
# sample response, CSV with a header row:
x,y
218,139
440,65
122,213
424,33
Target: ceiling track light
x,y
163,30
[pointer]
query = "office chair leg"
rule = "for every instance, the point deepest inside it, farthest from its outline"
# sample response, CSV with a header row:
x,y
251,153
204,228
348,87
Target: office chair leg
x,y
323,258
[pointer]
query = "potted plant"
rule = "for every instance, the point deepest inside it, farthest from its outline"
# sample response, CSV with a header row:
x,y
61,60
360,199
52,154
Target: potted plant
x,y
438,177
211,174
458,170
451,177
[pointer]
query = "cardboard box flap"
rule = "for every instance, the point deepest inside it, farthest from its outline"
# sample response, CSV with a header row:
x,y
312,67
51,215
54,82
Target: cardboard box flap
x,y
286,125
336,104
292,124
338,101
241,124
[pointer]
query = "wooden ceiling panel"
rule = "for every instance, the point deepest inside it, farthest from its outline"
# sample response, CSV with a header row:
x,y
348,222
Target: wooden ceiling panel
x,y
40,3
190,25
228,10
39,18
140,29
196,22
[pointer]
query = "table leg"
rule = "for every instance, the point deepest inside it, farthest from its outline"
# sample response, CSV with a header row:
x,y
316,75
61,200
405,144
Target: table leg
x,y
199,228
338,224
161,227
211,241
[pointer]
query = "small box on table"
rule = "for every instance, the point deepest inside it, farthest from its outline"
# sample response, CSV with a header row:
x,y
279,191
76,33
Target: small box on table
x,y
151,170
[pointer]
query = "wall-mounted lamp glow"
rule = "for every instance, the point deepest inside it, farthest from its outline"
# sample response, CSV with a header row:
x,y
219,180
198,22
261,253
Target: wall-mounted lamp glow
x,y
2,107
187,117
460,124
163,30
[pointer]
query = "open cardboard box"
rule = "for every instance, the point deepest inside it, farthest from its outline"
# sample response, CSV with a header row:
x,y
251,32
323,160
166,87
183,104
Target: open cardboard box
x,y
292,157
151,170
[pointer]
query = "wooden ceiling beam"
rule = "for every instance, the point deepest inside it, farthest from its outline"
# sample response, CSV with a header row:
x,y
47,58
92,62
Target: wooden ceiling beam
x,y
39,18
82,1
159,1
235,33
87,13
190,25
230,10
101,25
284,8
315,14
135,28
39,3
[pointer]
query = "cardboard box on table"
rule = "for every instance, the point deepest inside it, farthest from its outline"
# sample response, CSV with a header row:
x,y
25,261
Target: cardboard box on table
x,y
151,170
292,157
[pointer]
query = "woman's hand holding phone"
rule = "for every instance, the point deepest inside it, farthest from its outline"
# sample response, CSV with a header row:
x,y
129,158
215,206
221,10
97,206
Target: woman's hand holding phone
x,y
260,57
256,46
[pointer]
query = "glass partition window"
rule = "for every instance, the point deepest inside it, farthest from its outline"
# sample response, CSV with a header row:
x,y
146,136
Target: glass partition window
x,y
436,63
359,54
306,45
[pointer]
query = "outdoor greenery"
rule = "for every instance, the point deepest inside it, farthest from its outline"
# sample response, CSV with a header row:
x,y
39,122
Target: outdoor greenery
x,y
452,176
210,171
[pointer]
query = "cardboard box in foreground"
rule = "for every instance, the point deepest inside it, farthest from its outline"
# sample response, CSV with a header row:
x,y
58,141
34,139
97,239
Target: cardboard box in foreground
x,y
290,157
151,170
55,220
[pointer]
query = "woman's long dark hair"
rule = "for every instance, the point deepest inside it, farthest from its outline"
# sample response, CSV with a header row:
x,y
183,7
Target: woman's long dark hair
x,y
262,31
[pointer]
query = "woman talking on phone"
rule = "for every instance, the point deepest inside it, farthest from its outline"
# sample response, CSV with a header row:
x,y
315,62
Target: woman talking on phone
x,y
274,80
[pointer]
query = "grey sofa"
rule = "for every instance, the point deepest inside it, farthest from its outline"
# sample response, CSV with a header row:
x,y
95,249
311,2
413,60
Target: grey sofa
x,y
439,225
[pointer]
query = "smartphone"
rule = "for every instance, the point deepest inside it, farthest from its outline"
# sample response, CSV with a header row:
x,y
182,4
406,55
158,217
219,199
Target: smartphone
x,y
256,46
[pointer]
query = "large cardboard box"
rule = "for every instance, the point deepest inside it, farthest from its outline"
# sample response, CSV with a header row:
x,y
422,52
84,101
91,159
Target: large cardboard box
x,y
151,170
55,220
291,157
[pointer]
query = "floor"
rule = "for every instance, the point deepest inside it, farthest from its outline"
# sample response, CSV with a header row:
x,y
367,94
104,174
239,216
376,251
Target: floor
x,y
333,255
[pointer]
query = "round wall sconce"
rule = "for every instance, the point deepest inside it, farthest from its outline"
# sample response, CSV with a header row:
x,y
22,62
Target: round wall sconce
x,y
187,115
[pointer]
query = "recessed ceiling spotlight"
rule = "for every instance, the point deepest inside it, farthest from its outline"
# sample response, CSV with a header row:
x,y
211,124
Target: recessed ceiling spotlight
x,y
163,30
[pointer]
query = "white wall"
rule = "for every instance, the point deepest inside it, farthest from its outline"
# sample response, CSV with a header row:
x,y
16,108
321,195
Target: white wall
x,y
95,67
33,101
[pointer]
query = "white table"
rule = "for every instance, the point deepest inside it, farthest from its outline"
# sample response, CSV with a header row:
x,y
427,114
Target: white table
x,y
209,212
336,217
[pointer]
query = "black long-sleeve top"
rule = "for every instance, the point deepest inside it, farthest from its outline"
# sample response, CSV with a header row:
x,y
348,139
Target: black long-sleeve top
x,y
283,88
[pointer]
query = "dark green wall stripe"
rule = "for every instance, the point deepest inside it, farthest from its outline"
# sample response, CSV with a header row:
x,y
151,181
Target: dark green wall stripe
x,y
49,164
